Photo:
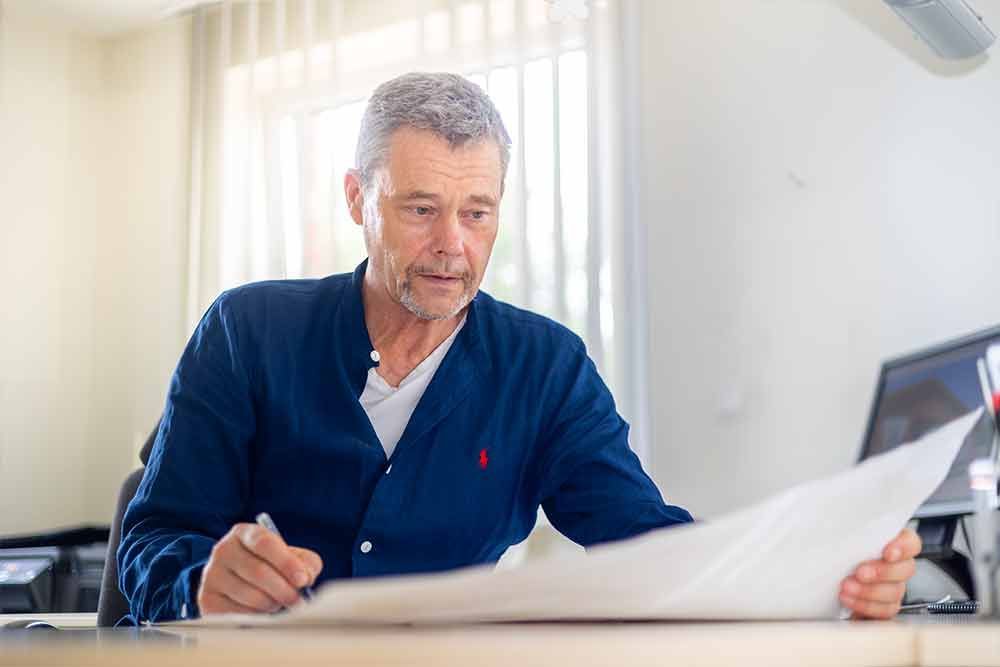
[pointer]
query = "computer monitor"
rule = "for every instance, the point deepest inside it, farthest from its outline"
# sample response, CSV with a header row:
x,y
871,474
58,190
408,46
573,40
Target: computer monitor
x,y
920,392
923,391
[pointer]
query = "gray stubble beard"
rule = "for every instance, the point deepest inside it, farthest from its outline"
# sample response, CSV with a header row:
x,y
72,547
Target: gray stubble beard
x,y
409,301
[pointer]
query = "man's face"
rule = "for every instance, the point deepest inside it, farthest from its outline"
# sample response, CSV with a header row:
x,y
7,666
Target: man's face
x,y
431,229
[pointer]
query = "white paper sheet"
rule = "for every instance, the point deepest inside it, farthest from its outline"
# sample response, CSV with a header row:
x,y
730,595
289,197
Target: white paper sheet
x,y
783,558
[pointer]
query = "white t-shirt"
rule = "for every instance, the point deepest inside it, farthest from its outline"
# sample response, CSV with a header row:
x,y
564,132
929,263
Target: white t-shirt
x,y
389,408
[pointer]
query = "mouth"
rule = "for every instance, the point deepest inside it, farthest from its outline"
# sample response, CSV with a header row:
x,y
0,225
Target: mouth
x,y
442,279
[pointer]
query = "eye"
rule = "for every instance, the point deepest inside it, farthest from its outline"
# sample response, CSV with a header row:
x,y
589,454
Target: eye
x,y
479,215
422,210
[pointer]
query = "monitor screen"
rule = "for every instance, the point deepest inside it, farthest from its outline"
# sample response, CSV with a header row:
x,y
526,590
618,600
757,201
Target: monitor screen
x,y
924,391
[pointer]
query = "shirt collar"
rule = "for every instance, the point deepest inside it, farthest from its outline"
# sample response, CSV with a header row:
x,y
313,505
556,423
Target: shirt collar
x,y
357,352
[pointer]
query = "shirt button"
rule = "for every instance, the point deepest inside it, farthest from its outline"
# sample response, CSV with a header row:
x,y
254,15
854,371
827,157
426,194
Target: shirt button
x,y
375,356
366,546
388,469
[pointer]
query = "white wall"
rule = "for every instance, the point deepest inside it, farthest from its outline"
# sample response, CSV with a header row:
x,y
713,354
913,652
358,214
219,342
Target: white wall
x,y
142,246
93,168
817,199
50,102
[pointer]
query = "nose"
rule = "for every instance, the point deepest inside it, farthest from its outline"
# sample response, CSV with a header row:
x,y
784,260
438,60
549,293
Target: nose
x,y
448,239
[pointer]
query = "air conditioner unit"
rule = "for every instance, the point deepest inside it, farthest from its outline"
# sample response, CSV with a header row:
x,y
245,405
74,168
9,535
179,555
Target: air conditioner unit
x,y
951,27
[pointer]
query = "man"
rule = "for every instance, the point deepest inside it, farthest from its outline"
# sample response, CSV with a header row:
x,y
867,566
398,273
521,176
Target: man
x,y
395,420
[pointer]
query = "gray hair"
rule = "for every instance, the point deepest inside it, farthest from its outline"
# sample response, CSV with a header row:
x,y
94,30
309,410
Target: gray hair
x,y
449,105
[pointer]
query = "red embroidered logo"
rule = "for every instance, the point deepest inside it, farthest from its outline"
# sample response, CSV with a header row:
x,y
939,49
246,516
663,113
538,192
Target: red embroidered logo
x,y
483,459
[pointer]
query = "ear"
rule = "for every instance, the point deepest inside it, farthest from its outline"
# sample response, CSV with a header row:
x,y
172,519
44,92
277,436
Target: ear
x,y
355,194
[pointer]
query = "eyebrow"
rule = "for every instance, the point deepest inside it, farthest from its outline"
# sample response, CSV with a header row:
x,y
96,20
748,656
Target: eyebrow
x,y
420,194
482,200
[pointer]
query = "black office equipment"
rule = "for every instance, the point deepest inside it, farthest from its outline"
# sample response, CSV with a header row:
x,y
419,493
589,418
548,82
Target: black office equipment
x,y
26,580
919,393
55,578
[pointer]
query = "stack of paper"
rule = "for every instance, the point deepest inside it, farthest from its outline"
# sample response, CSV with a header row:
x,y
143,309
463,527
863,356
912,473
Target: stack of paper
x,y
781,559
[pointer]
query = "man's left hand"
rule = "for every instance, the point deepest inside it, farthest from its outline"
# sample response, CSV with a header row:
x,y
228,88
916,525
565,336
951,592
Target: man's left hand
x,y
875,589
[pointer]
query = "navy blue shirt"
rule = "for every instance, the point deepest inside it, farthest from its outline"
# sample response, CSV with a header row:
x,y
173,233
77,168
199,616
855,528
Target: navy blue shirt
x,y
263,415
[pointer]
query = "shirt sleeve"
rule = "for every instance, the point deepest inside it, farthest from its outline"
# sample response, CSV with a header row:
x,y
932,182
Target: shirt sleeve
x,y
197,478
593,487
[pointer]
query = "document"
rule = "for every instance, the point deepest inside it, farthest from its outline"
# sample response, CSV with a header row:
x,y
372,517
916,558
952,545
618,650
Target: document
x,y
783,558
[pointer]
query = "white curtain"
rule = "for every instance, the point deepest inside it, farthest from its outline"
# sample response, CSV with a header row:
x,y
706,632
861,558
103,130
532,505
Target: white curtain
x,y
278,90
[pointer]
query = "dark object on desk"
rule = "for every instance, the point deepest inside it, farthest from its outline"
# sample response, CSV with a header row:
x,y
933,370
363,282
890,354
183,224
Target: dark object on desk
x,y
26,580
50,579
112,605
938,535
29,624
954,607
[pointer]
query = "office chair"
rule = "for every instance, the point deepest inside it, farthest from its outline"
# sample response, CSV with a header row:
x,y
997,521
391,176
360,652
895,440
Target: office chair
x,y
111,604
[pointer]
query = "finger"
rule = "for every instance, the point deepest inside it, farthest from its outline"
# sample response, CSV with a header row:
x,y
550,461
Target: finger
x,y
216,603
880,571
905,545
890,592
312,561
257,573
271,548
869,609
246,594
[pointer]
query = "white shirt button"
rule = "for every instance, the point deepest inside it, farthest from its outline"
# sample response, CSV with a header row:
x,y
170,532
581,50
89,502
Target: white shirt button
x,y
366,546
375,356
388,469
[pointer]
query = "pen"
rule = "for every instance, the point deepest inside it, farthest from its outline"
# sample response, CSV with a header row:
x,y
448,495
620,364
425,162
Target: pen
x,y
264,519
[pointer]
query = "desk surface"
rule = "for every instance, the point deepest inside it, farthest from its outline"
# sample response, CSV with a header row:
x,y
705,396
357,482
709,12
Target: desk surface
x,y
902,643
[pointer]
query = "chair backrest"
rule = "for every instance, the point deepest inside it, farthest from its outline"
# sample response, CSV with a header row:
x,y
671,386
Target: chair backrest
x,y
147,447
111,604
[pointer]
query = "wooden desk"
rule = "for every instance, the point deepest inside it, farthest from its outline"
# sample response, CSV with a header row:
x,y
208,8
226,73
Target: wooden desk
x,y
958,641
900,643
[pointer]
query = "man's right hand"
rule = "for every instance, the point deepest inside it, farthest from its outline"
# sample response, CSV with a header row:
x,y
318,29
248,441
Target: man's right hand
x,y
252,570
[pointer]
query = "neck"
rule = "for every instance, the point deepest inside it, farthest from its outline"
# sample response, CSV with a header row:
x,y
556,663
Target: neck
x,y
402,339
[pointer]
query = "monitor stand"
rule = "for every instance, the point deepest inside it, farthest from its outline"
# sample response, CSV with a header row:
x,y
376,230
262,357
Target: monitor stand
x,y
938,535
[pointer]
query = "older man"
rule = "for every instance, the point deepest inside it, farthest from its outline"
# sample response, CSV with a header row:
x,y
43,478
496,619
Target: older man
x,y
396,419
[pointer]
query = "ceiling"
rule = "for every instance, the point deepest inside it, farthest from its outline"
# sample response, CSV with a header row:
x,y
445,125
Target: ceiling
x,y
102,17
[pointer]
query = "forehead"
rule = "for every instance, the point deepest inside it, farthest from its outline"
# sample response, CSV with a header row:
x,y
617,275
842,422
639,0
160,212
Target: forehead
x,y
420,159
